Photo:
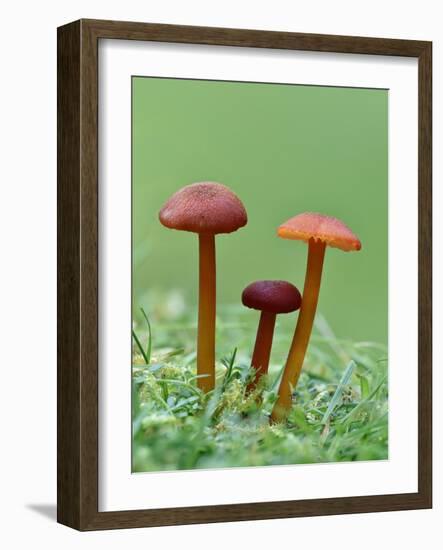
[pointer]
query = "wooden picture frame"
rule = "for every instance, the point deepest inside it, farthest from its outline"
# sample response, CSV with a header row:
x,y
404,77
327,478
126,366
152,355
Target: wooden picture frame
x,y
78,274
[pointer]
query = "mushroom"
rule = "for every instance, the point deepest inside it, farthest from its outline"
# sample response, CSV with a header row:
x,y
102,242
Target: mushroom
x,y
206,208
318,231
271,298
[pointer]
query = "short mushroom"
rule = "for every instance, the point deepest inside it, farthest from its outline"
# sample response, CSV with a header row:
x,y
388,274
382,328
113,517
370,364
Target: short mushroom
x,y
318,231
271,298
206,208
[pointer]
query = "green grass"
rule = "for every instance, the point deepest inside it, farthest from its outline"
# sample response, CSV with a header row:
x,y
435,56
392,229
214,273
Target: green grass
x,y
339,413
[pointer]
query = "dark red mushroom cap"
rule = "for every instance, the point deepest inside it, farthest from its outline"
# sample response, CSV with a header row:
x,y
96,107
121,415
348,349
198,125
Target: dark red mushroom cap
x,y
204,207
272,296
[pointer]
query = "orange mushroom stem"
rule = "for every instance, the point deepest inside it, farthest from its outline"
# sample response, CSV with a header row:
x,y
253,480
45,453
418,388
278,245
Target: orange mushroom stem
x,y
206,313
302,334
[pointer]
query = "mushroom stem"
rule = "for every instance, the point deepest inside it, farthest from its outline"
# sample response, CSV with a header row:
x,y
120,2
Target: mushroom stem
x,y
206,314
262,348
294,362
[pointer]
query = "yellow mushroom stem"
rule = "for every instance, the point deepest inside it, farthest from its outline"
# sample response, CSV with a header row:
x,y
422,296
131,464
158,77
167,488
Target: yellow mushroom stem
x,y
300,341
206,314
262,348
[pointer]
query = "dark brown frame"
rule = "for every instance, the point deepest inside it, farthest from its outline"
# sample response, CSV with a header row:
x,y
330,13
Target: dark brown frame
x,y
77,455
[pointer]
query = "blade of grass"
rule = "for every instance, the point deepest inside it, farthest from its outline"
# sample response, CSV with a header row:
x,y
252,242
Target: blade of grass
x,y
173,353
362,403
277,379
140,347
335,398
364,386
197,376
230,365
149,345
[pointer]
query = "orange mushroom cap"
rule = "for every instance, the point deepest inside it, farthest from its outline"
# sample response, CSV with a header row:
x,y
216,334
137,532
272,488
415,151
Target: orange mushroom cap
x,y
311,225
272,296
204,207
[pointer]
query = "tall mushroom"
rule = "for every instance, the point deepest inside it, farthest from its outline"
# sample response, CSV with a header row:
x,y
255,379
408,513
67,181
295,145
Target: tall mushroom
x,y
271,298
206,208
318,231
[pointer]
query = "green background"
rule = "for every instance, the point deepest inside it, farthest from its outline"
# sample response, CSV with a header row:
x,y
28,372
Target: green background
x,y
284,149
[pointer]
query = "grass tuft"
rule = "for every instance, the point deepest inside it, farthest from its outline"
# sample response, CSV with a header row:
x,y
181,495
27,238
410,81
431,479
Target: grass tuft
x,y
339,413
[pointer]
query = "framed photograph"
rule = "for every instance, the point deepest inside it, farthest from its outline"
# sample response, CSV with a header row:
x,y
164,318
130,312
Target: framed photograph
x,y
244,274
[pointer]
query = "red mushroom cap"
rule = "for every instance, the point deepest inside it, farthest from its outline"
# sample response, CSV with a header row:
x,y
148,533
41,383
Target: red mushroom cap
x,y
272,296
311,225
204,207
